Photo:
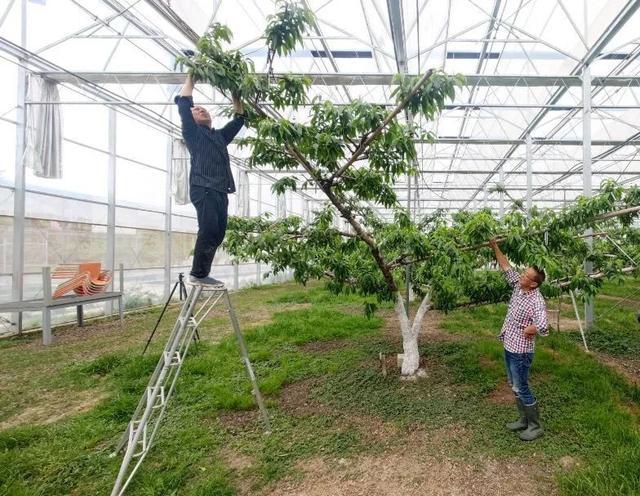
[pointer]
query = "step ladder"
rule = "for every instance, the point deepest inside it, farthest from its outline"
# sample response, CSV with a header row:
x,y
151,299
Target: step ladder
x,y
143,426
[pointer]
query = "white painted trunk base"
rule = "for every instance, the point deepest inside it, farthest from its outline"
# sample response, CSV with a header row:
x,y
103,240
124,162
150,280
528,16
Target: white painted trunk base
x,y
410,331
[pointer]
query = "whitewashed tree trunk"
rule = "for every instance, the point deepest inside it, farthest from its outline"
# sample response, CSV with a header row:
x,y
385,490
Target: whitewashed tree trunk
x,y
410,332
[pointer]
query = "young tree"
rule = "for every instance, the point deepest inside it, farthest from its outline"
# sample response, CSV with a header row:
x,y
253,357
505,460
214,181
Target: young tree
x,y
354,154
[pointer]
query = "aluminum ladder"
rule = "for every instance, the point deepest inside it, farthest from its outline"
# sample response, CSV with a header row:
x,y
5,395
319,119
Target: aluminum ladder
x,y
143,426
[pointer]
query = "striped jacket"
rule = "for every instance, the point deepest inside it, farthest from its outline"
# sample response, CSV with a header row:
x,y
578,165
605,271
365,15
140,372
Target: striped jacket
x,y
208,149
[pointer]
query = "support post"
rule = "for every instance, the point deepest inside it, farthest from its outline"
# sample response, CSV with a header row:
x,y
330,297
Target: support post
x,y
111,203
121,299
586,175
168,204
575,309
281,206
236,276
17,270
46,309
259,212
502,186
529,145
408,268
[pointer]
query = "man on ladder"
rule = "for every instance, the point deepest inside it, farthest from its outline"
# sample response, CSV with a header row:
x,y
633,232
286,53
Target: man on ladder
x,y
210,181
210,178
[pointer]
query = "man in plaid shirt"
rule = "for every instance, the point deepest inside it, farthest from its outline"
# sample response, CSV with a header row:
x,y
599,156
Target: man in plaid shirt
x,y
526,317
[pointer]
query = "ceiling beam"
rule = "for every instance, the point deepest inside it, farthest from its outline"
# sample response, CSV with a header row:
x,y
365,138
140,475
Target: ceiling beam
x,y
607,34
332,79
467,172
396,21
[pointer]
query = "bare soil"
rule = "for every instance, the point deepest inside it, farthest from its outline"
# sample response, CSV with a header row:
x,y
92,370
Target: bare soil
x,y
407,471
54,406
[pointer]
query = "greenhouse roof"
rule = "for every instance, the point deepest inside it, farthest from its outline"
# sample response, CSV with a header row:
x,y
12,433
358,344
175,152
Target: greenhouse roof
x,y
525,63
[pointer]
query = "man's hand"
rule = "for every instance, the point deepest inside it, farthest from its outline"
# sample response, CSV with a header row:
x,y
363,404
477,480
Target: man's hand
x,y
530,331
238,108
503,262
187,88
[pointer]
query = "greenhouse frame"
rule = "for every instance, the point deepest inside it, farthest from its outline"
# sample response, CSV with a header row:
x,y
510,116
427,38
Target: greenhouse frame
x,y
564,104
320,247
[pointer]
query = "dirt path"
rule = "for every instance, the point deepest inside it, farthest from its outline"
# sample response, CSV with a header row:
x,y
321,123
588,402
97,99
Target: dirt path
x,y
415,475
629,368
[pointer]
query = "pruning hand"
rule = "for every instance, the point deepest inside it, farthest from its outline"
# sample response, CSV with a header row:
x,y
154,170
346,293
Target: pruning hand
x,y
530,331
238,108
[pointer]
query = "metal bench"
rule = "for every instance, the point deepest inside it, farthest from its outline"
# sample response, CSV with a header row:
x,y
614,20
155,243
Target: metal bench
x,y
48,303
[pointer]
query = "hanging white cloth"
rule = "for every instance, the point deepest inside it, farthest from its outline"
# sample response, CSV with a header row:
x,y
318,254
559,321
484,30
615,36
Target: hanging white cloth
x,y
281,206
180,172
43,150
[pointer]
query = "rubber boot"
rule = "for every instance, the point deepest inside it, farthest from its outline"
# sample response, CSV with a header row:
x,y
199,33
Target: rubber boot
x,y
534,429
521,423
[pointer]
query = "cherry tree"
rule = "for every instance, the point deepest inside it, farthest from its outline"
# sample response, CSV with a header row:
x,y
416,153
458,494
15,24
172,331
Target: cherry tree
x,y
353,154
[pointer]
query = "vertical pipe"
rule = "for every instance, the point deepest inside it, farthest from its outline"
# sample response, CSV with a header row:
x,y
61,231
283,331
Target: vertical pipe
x,y
306,214
168,212
111,203
575,309
259,212
47,338
502,186
408,268
586,175
529,145
17,271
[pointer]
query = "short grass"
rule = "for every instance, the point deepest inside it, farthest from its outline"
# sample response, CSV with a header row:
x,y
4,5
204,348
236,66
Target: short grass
x,y
589,411
616,330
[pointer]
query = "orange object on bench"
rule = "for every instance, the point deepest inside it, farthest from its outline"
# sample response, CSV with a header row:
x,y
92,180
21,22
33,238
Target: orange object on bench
x,y
85,279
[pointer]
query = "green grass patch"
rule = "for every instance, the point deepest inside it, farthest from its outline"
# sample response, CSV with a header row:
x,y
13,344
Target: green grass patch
x,y
588,411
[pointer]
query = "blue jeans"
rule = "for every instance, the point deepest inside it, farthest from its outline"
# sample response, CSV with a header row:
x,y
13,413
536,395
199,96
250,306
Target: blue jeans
x,y
518,365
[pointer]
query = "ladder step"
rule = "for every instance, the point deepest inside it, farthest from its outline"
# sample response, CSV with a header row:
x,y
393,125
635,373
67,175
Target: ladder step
x,y
142,441
160,398
172,360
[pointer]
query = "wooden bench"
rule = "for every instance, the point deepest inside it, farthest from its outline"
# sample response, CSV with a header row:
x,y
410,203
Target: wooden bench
x,y
48,303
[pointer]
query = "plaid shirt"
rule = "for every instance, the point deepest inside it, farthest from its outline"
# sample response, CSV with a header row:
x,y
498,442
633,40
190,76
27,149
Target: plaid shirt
x,y
524,309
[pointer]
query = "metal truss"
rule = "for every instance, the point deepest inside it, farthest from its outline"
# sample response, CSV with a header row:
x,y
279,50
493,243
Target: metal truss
x,y
484,131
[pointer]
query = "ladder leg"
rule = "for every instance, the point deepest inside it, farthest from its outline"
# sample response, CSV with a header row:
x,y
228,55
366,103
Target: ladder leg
x,y
141,404
147,417
137,432
247,364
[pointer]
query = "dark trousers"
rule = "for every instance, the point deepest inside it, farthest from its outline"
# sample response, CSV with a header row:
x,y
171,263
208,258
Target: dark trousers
x,y
211,207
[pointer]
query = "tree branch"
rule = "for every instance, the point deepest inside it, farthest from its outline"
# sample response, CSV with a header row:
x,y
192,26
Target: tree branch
x,y
402,261
366,142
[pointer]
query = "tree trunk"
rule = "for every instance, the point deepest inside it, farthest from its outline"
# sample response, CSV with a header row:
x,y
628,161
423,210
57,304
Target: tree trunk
x,y
410,332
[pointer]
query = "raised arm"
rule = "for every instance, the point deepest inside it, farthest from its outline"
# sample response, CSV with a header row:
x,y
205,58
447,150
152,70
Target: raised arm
x,y
502,260
233,127
185,101
187,87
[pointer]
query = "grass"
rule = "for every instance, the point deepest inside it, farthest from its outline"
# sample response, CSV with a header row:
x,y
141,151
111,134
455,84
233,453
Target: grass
x,y
616,329
590,412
